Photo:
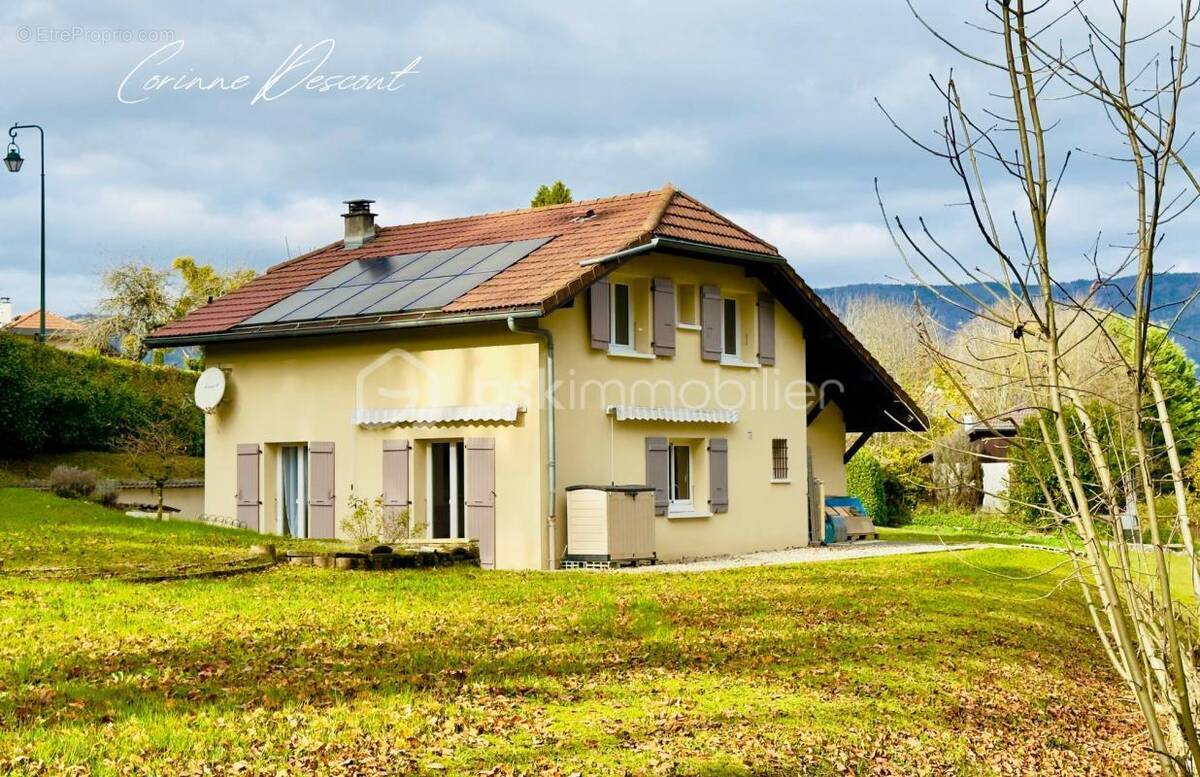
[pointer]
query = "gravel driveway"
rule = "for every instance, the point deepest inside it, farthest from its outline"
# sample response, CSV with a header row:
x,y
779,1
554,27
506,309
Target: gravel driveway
x,y
863,549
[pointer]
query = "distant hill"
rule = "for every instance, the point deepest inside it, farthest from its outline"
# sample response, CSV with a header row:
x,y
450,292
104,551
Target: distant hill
x,y
1171,290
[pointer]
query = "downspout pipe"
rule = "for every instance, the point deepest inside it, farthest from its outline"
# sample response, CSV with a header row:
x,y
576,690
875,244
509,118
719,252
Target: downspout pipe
x,y
551,446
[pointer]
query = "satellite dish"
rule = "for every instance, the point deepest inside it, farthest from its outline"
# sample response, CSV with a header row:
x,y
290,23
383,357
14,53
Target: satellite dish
x,y
210,388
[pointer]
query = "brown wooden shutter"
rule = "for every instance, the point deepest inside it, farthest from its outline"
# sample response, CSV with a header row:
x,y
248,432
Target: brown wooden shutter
x,y
766,329
248,498
320,490
600,312
658,472
479,455
710,323
718,475
664,317
396,495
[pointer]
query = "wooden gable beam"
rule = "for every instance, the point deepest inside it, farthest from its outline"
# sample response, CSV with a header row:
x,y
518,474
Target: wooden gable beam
x,y
859,442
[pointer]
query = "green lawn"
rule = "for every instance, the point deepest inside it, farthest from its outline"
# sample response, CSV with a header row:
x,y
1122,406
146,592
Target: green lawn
x,y
39,531
958,536
901,665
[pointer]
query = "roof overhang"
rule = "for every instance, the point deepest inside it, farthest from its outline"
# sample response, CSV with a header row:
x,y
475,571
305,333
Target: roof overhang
x,y
342,325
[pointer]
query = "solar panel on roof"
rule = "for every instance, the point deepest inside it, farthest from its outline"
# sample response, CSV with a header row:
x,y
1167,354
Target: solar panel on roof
x,y
400,300
376,270
339,276
509,254
462,262
394,284
422,267
285,306
450,290
367,296
318,306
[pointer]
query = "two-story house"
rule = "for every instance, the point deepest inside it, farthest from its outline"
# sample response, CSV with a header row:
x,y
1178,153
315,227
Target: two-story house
x,y
471,369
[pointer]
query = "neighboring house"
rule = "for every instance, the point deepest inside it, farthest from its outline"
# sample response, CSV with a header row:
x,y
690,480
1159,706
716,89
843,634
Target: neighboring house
x,y
59,330
990,442
411,361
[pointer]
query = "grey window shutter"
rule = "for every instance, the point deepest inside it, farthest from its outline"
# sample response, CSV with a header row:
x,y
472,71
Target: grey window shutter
x,y
658,471
600,312
396,495
479,461
766,329
718,475
664,317
710,323
248,499
320,490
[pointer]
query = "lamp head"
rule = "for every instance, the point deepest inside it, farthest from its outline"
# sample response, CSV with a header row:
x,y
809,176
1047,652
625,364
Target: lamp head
x,y
13,160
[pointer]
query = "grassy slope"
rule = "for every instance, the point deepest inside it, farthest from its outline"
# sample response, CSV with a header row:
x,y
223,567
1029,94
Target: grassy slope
x,y
114,465
38,529
902,663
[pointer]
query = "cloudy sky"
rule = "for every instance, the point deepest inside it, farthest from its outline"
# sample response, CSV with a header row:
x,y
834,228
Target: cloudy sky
x,y
763,110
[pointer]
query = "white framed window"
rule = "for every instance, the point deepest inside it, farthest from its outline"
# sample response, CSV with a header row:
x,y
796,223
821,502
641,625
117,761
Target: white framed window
x,y
621,337
680,464
730,329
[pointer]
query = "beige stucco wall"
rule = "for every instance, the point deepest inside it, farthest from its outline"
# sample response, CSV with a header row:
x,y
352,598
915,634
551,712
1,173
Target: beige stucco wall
x,y
827,436
307,389
595,449
188,500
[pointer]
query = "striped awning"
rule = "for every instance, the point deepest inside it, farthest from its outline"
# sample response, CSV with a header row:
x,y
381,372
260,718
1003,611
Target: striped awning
x,y
450,414
676,414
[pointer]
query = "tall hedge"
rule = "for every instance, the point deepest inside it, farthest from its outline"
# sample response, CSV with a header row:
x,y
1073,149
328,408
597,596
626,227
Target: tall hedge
x,y
55,400
865,479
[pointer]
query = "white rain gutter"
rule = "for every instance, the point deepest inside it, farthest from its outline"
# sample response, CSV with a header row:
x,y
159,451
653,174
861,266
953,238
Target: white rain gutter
x,y
643,248
551,447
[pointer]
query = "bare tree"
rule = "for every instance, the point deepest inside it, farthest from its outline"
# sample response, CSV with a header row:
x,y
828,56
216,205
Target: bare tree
x,y
1056,62
156,451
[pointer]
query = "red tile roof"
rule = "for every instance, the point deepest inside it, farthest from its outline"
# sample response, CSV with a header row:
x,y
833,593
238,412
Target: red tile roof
x,y
540,279
54,322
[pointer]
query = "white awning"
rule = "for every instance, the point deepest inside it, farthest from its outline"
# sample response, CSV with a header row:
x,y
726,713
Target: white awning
x,y
377,419
680,415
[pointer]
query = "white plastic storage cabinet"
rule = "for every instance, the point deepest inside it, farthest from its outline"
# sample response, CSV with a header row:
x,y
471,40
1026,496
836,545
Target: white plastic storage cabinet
x,y
610,523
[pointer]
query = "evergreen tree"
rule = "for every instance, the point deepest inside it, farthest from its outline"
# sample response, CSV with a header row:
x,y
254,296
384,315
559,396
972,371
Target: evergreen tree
x,y
555,194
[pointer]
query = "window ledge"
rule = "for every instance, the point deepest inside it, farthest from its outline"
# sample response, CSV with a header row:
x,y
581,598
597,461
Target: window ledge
x,y
781,481
727,361
629,354
687,514
688,327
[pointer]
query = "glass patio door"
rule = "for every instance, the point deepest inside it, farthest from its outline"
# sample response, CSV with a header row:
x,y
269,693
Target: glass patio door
x,y
293,490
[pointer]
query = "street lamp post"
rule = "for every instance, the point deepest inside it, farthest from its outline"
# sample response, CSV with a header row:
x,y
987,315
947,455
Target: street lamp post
x,y
13,161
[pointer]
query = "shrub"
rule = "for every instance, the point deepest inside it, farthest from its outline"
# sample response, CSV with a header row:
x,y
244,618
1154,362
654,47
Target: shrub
x,y
370,521
106,493
72,482
55,400
865,480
